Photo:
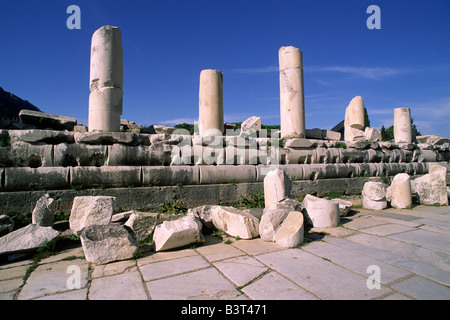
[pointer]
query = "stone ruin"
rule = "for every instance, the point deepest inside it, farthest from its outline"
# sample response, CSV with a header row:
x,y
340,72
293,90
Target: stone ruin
x,y
64,155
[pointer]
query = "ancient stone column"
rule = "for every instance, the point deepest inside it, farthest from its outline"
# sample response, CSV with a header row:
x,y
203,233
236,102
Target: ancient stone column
x,y
354,119
106,80
210,120
402,125
292,100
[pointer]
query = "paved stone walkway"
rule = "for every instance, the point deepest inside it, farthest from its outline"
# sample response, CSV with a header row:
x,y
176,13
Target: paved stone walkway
x,y
408,251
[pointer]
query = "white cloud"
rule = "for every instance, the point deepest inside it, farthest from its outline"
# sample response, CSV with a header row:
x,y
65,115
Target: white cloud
x,y
363,72
179,120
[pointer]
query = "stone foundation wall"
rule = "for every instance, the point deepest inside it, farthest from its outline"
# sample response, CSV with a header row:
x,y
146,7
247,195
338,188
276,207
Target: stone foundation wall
x,y
54,160
151,198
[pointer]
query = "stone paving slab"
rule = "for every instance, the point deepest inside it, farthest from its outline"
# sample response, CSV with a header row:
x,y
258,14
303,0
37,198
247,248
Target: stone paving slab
x,y
124,286
319,276
241,270
428,290
410,248
425,238
206,284
356,262
414,266
273,286
52,278
163,269
386,229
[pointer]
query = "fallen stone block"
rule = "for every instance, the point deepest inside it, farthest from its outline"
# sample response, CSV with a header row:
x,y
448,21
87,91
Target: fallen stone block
x,y
321,213
204,213
372,134
431,189
161,129
277,187
236,223
431,139
270,221
345,206
26,238
374,195
37,136
298,143
107,138
291,231
107,243
142,223
43,214
121,217
287,204
44,120
90,210
400,191
252,123
177,233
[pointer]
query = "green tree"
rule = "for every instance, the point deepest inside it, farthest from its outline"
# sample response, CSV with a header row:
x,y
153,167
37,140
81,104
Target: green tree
x,y
366,119
189,127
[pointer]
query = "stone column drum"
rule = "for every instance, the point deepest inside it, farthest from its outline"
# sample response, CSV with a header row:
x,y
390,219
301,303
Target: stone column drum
x,y
402,125
354,119
106,80
292,100
210,118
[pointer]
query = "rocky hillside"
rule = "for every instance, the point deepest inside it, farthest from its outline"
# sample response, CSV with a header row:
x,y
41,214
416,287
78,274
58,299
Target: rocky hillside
x,y
10,105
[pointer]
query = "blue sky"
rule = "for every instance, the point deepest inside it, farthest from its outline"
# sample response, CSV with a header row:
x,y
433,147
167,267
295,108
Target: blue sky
x,y
167,43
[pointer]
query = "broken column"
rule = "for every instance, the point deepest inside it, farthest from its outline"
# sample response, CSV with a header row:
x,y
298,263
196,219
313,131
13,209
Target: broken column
x,y
292,100
106,80
401,191
354,120
402,125
210,120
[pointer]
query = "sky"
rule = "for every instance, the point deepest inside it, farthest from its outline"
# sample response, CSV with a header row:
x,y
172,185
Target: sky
x,y
166,44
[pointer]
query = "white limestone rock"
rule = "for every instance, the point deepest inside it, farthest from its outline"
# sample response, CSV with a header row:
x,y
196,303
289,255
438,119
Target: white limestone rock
x,y
107,243
177,233
291,231
345,206
90,210
142,223
26,238
277,187
236,223
43,214
402,125
431,189
372,134
374,195
252,123
270,221
204,213
400,191
322,213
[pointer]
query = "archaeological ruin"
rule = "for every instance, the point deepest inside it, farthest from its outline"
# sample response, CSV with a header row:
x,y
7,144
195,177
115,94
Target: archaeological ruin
x,y
119,170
